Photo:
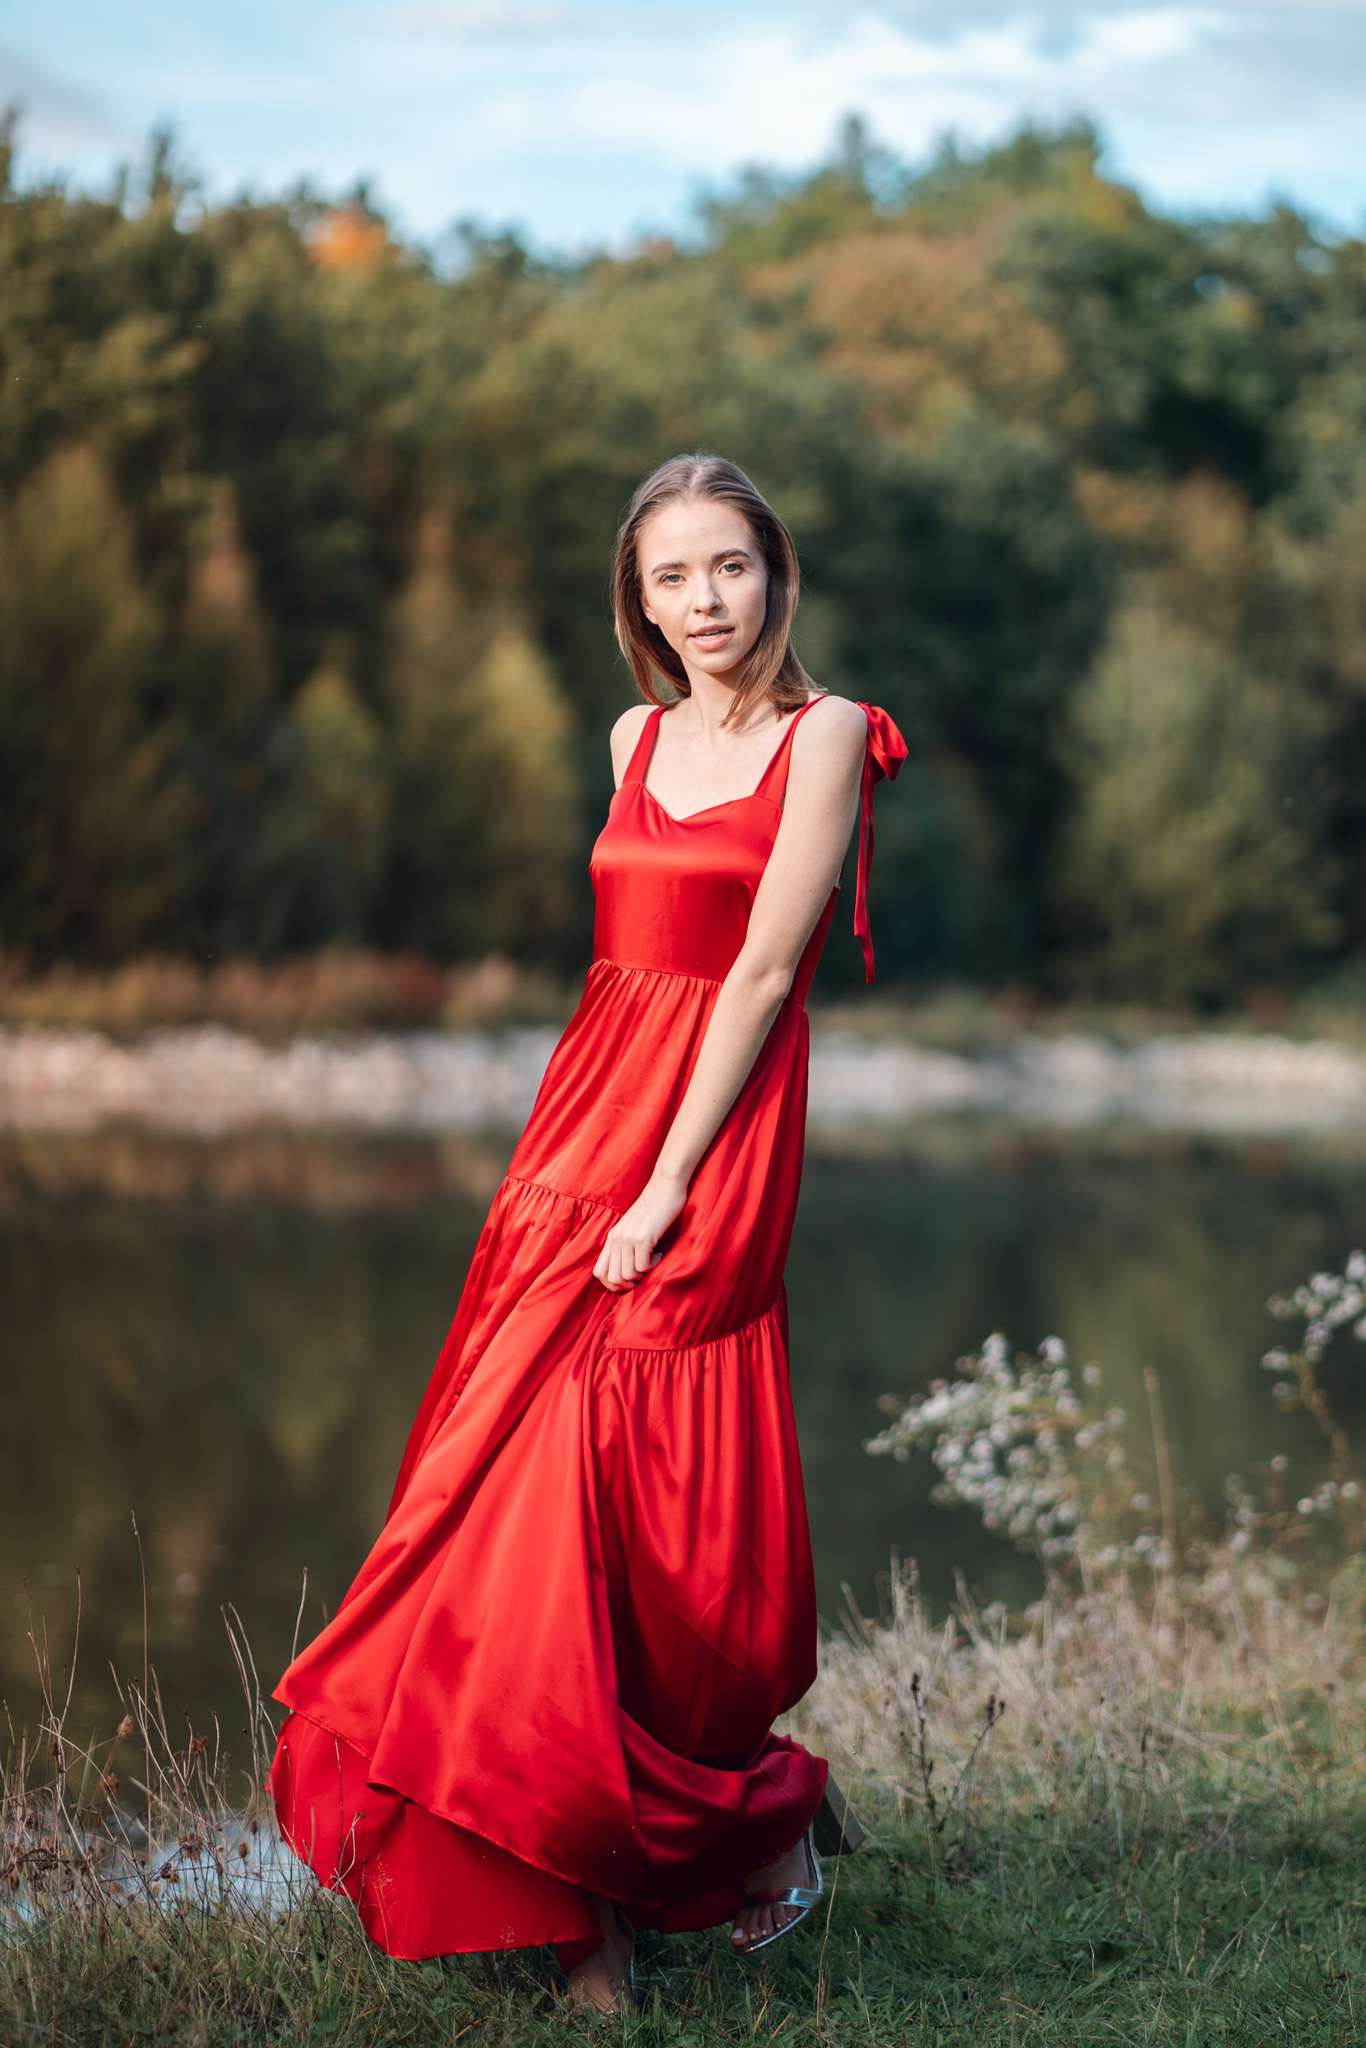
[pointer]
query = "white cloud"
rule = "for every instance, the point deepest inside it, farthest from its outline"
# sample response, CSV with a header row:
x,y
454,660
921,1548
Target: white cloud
x,y
600,113
500,18
776,93
1207,103
57,119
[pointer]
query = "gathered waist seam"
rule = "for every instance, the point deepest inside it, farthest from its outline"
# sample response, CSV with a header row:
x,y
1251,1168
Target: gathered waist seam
x,y
601,1202
677,974
703,1343
565,1194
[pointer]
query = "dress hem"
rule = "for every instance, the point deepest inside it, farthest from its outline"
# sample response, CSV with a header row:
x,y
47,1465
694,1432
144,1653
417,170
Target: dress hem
x,y
451,1819
650,1906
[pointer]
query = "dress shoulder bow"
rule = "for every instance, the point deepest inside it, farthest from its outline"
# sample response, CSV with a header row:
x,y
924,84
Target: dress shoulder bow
x,y
885,751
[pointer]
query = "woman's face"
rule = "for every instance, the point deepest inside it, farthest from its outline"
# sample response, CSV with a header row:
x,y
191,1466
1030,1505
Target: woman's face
x,y
700,570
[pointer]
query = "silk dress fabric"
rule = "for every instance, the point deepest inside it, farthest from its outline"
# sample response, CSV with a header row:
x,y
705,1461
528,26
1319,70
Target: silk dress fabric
x,y
558,1668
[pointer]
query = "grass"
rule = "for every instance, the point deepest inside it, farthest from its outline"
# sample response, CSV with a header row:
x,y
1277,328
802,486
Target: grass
x,y
1125,1833
1132,1812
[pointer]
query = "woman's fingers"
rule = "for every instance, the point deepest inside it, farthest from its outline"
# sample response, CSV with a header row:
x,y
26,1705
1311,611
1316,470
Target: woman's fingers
x,y
607,1269
625,1255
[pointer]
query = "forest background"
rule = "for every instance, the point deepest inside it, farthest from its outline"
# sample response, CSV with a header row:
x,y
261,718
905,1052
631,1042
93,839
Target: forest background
x,y
304,533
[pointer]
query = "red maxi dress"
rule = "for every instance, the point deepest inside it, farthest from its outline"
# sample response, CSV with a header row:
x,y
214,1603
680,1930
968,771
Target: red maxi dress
x,y
559,1666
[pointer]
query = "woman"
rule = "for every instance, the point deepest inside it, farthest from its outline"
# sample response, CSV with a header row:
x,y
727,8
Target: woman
x,y
543,1711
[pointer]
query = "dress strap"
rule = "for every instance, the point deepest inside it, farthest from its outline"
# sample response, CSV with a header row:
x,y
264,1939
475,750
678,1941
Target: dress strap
x,y
773,781
883,755
644,746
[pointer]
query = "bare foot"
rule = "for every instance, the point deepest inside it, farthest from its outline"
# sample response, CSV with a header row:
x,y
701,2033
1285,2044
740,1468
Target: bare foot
x,y
753,1922
600,1980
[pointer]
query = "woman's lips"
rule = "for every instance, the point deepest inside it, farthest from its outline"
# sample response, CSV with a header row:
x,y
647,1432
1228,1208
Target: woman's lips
x,y
713,636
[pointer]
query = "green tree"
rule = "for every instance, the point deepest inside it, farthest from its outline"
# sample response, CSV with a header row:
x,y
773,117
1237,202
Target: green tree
x,y
1310,619
1193,860
995,396
346,799
94,830
235,751
483,812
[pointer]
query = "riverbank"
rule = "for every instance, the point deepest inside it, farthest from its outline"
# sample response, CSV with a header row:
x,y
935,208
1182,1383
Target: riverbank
x,y
357,1040
211,1079
1084,1827
1130,1810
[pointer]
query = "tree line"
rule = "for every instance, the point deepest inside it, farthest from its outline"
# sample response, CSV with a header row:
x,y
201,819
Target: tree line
x,y
304,535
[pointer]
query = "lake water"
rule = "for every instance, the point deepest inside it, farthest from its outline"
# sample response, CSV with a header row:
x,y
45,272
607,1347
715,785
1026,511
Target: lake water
x,y
227,1340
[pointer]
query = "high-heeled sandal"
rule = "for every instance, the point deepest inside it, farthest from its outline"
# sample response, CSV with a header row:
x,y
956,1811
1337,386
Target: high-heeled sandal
x,y
835,1832
803,1896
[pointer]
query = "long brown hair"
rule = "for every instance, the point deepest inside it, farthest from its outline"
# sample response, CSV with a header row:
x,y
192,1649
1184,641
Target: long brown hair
x,y
771,668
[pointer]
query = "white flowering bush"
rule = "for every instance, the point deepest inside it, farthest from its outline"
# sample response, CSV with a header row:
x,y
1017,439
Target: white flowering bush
x,y
1335,1509
1044,1459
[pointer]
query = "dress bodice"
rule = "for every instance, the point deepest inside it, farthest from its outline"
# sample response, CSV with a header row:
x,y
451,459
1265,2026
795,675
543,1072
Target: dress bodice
x,y
675,894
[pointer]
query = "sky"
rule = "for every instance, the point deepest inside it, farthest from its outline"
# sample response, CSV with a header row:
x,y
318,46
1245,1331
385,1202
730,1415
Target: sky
x,y
590,125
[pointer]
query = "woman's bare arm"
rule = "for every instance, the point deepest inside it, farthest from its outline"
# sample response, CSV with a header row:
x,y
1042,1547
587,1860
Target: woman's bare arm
x,y
819,810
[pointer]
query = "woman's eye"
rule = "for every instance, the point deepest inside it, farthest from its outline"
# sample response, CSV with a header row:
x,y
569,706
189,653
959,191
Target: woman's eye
x,y
672,576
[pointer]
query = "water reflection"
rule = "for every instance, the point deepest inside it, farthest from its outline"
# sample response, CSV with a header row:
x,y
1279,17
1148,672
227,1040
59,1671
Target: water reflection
x,y
228,1341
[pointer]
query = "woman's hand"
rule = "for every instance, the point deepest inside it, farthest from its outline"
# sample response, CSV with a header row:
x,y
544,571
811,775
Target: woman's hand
x,y
629,1250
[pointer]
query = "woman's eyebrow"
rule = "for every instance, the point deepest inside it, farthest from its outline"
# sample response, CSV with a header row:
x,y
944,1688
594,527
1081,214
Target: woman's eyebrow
x,y
721,555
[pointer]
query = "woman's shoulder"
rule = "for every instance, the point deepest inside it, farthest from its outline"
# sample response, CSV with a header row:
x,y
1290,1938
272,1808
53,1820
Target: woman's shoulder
x,y
829,744
622,738
837,720
850,711
629,722
629,725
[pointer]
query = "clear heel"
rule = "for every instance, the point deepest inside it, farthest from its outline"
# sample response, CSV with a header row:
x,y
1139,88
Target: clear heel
x,y
632,1994
835,1829
623,1992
